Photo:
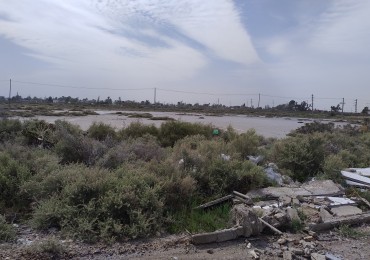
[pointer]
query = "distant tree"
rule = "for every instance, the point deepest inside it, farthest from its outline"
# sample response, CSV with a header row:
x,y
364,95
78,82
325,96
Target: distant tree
x,y
335,109
292,104
365,110
108,101
303,106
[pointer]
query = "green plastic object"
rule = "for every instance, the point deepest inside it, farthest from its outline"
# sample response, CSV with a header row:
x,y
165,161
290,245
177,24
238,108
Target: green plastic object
x,y
216,132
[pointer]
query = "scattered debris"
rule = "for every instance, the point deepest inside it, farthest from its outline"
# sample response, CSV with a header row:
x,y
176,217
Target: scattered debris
x,y
255,159
215,202
273,175
313,206
356,177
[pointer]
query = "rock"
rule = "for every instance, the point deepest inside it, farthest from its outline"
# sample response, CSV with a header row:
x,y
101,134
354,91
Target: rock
x,y
287,255
346,211
295,202
253,254
281,218
210,251
324,215
285,200
316,256
331,257
296,251
307,251
292,214
249,245
248,219
309,238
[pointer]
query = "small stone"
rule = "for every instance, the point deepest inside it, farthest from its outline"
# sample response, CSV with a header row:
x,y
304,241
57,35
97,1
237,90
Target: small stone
x,y
307,251
281,241
316,256
249,245
287,255
210,251
296,251
308,238
253,254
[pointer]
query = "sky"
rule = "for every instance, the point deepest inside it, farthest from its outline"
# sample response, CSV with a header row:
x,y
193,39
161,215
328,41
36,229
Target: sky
x,y
192,51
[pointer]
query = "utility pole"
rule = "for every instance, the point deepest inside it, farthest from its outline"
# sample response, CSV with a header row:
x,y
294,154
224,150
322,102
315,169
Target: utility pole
x,y
251,103
155,96
312,102
10,90
259,99
356,105
342,105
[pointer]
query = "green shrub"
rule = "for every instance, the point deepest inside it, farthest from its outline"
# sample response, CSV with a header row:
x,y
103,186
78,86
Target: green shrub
x,y
7,231
137,129
145,148
38,132
172,131
79,149
12,175
101,131
302,156
246,143
92,203
9,129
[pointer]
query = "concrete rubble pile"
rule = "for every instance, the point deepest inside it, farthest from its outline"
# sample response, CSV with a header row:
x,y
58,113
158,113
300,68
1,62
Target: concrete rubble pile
x,y
311,207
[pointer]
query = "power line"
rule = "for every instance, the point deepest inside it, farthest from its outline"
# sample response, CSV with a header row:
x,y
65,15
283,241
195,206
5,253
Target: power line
x,y
76,87
207,93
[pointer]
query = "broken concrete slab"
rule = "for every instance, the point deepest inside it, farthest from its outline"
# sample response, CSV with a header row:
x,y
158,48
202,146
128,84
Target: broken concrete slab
x,y
247,218
218,236
346,211
313,188
346,220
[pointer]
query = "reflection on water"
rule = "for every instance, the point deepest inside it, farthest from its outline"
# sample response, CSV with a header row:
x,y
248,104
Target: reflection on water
x,y
268,127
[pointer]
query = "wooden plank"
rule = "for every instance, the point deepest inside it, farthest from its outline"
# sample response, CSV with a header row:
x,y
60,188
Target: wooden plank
x,y
215,202
245,198
277,231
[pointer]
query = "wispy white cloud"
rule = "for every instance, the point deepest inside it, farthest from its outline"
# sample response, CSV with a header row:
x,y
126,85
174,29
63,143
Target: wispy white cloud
x,y
87,36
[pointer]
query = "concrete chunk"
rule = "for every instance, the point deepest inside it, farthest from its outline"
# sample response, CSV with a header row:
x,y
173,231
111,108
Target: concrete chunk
x,y
346,211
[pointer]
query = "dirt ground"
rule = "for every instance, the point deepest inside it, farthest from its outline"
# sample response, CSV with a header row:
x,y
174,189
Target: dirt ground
x,y
29,246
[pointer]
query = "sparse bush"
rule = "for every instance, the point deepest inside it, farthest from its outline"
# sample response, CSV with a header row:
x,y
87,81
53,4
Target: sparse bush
x,y
47,249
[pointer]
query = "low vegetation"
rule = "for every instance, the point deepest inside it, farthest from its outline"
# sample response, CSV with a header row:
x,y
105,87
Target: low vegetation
x,y
116,184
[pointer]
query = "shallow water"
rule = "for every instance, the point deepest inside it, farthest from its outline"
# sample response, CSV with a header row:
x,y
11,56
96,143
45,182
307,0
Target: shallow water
x,y
268,127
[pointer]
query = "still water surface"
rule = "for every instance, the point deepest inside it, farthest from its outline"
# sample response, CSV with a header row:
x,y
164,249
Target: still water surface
x,y
268,127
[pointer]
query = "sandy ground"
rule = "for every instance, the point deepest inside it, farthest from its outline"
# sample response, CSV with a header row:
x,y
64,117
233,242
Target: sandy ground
x,y
178,247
